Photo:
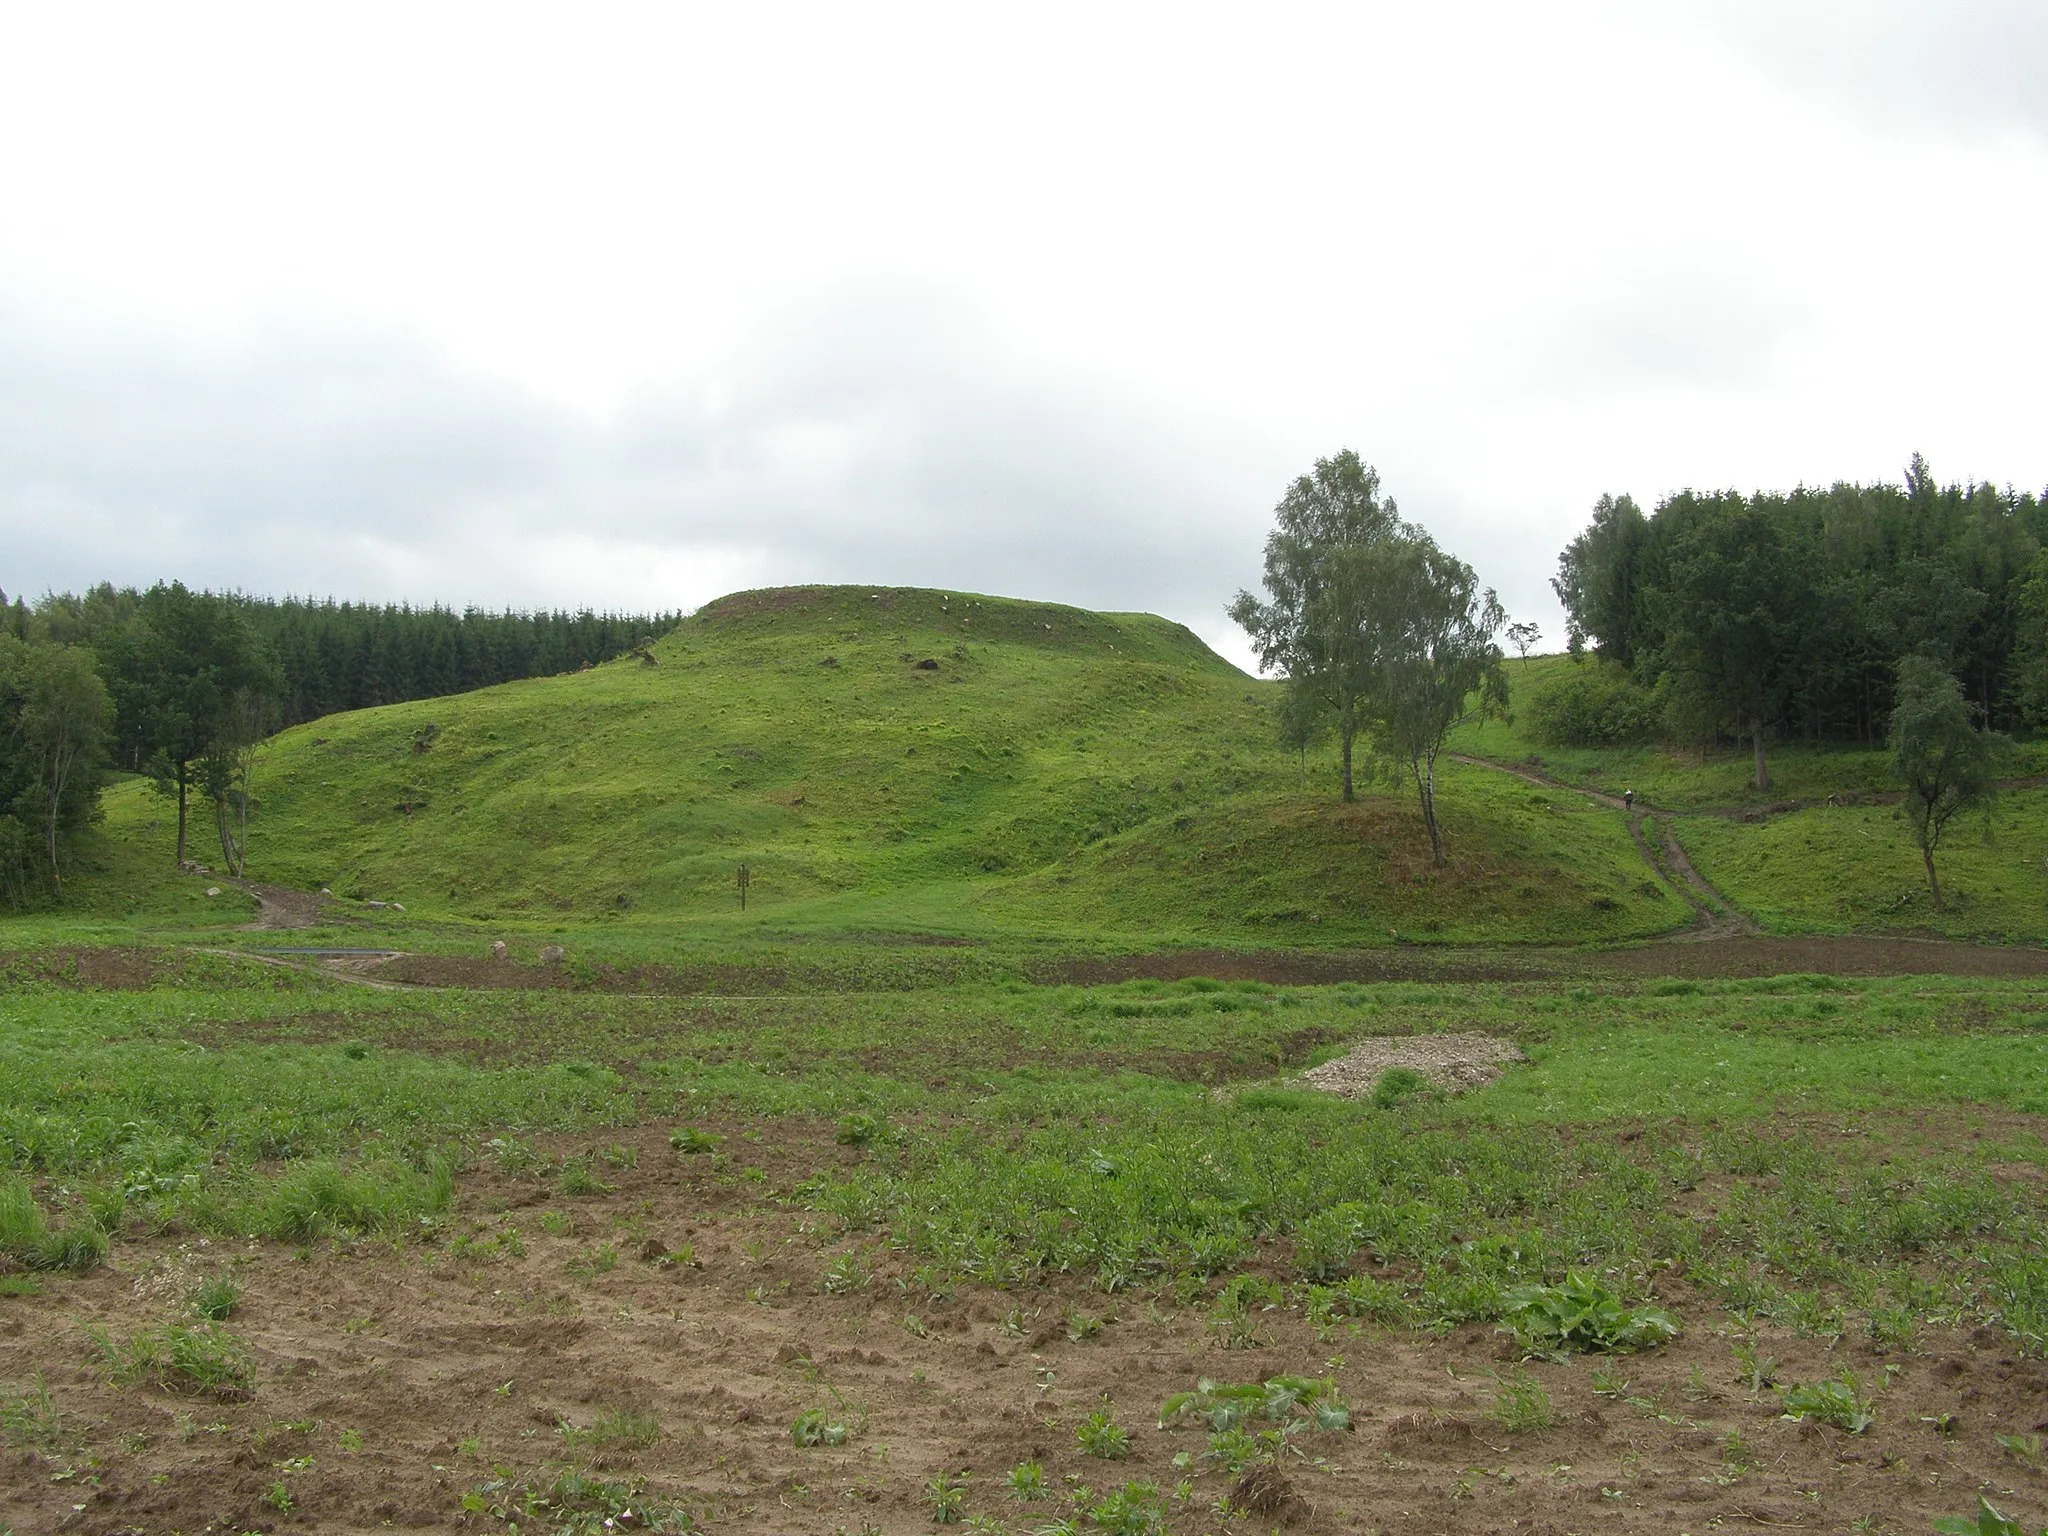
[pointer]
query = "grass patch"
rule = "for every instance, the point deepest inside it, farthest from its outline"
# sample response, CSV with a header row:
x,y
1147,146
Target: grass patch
x,y
206,1360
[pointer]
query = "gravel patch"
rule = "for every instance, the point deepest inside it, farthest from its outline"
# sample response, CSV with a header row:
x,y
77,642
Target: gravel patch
x,y
1453,1063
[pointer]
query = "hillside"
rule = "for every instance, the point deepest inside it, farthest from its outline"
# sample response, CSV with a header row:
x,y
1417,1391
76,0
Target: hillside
x,y
897,760
1825,849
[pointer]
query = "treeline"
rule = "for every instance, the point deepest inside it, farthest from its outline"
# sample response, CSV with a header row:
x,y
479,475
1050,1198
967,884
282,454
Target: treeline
x,y
182,685
335,656
1785,615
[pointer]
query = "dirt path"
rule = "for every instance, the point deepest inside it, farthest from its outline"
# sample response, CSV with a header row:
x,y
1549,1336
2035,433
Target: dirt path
x,y
279,906
1714,915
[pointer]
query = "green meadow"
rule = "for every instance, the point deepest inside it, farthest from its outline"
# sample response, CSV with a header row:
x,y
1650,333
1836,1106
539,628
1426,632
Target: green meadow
x,y
1864,1145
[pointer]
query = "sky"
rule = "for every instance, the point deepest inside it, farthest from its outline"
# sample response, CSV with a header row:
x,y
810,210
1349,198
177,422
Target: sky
x,y
631,306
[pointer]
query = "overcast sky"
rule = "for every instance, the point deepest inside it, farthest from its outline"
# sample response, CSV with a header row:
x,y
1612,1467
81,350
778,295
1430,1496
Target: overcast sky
x,y
629,306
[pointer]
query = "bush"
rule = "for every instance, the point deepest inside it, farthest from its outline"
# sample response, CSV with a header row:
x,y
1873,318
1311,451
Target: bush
x,y
1594,706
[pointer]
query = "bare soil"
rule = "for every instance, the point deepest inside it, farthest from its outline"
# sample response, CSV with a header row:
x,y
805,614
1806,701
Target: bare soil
x,y
451,1360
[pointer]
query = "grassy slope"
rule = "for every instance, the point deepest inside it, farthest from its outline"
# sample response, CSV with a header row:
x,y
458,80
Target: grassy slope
x,y
1058,774
1857,867
1824,869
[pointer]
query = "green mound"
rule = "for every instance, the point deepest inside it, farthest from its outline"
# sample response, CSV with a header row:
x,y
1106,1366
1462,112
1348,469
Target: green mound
x,y
896,760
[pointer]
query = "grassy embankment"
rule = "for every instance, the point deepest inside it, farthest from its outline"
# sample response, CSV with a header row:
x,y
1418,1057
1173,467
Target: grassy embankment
x,y
1054,777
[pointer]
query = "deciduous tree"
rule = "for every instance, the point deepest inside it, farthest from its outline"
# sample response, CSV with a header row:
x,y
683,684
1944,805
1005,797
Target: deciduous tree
x,y
1315,628
1945,764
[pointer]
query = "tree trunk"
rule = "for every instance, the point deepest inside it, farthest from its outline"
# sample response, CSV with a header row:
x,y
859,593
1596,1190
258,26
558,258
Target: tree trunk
x,y
1425,790
1347,730
1933,885
50,838
181,815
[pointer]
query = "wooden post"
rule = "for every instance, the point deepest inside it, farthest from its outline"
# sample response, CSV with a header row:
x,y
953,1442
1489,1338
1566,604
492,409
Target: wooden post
x,y
746,879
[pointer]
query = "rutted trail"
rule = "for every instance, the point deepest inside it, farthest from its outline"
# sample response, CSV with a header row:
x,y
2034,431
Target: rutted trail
x,y
1714,915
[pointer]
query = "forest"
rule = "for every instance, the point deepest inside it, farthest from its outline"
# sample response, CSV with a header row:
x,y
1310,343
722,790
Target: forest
x,y
1785,615
182,685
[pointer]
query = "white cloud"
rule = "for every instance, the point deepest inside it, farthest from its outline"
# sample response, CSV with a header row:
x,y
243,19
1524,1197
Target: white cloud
x,y
629,306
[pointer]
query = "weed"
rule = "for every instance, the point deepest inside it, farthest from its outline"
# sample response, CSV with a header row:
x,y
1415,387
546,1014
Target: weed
x,y
1132,1510
207,1359
279,1497
1737,1457
1397,1085
614,1429
948,1495
1521,1405
2024,1449
1233,1449
350,1440
620,1156
576,1504
557,1223
601,1259
30,1418
690,1141
1083,1325
1100,1435
1026,1480
577,1179
514,1156
848,1272
215,1298
860,1129
1328,1241
1608,1380
1756,1370
1579,1313
27,1237
915,1326
814,1427
1840,1403
1285,1400
1987,1522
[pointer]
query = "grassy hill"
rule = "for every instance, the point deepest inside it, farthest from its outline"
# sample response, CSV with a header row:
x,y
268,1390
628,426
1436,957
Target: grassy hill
x,y
904,761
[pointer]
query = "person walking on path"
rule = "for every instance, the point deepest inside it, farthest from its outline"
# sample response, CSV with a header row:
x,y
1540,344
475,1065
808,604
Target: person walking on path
x,y
1628,799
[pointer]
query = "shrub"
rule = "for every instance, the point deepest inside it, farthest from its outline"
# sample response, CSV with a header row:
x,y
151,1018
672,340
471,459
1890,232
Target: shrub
x,y
1594,706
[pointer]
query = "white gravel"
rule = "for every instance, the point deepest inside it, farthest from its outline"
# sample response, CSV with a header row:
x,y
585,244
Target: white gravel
x,y
1452,1062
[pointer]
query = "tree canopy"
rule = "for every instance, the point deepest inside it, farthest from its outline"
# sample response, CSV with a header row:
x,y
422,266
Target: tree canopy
x,y
1374,628
1785,614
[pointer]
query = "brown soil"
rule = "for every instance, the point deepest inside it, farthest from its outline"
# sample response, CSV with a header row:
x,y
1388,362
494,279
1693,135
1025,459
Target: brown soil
x,y
449,1364
1723,954
279,906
